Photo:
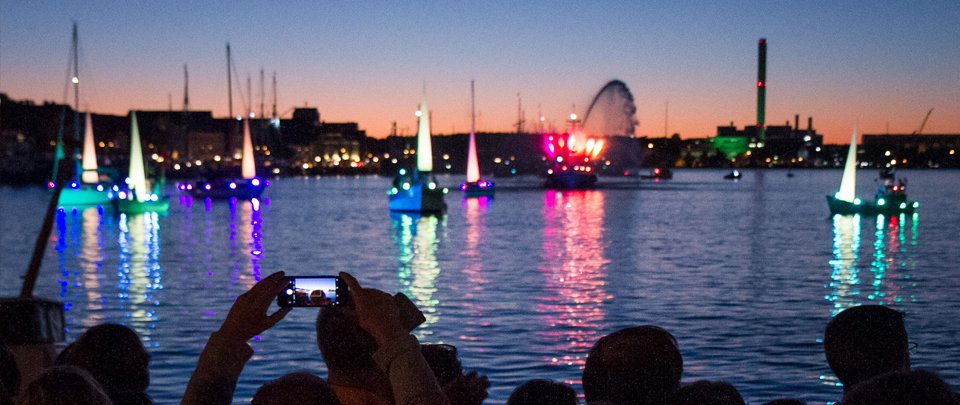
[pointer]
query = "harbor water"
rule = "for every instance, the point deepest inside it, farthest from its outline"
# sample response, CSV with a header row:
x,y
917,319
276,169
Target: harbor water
x,y
745,274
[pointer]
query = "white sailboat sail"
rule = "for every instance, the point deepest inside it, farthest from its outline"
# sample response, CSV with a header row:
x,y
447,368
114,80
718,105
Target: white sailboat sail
x,y
137,173
249,166
424,150
473,164
89,164
848,184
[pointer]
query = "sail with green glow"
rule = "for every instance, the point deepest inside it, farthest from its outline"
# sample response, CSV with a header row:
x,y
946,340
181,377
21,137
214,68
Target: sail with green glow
x,y
137,173
424,150
89,175
848,184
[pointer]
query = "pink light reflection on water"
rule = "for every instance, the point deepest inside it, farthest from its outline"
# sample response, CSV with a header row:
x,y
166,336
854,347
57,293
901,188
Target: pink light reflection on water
x,y
573,265
475,210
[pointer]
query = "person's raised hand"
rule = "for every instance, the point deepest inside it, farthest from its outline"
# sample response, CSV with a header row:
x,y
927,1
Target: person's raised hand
x,y
248,315
467,389
377,311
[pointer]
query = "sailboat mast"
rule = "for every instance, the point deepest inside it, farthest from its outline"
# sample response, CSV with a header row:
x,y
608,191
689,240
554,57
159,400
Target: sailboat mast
x,y
186,113
262,93
76,74
275,94
229,83
78,169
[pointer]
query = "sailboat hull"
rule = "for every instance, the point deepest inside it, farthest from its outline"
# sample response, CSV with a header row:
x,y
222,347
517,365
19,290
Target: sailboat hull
x,y
480,188
418,198
841,207
133,207
227,188
84,195
571,180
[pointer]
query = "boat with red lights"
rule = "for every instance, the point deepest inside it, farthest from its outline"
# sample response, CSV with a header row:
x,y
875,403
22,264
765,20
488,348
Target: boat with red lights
x,y
658,174
890,199
572,154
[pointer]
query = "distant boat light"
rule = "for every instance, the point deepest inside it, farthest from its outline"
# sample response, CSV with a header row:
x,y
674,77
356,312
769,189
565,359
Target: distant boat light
x,y
255,182
903,205
233,186
881,202
856,201
916,204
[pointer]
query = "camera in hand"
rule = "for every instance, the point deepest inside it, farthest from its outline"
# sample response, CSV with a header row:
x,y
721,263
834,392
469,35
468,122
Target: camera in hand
x,y
312,291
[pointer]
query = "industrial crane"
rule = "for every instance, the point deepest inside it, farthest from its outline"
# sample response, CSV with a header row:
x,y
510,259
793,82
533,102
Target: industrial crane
x,y
923,123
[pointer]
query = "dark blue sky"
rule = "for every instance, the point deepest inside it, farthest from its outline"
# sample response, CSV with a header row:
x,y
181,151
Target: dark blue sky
x,y
882,62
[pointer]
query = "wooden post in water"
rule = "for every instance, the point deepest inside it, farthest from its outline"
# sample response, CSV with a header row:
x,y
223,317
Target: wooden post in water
x,y
29,326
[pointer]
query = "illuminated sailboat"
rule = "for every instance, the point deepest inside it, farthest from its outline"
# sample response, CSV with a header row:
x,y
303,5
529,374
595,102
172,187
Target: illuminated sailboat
x,y
247,187
891,197
418,191
85,188
475,186
137,198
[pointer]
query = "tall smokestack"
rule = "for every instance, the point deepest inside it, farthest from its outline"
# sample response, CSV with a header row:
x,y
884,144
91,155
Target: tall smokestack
x,y
761,87
809,124
796,122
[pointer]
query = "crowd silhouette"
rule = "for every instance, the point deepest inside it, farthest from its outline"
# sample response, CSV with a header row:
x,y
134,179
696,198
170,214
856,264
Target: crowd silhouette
x,y
372,358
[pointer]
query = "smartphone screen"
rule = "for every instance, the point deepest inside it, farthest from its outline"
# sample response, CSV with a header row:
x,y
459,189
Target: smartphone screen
x,y
312,291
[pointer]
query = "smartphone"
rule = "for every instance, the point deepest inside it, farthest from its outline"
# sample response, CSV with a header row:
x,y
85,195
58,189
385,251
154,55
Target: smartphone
x,y
312,291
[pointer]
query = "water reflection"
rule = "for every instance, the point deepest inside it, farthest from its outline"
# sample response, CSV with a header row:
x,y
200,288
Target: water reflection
x,y
248,232
844,279
139,273
79,247
573,264
91,265
475,209
417,238
889,267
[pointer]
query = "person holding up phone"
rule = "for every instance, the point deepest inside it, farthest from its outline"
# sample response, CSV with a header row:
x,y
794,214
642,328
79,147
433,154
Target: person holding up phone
x,y
227,351
398,353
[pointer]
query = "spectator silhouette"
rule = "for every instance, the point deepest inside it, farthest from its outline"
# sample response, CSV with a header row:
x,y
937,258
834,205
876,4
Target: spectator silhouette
x,y
785,401
705,392
115,357
864,342
299,387
543,392
9,377
637,365
901,388
64,385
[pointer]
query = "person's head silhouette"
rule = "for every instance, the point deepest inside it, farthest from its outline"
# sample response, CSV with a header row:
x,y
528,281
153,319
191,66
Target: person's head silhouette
x,y
866,341
638,365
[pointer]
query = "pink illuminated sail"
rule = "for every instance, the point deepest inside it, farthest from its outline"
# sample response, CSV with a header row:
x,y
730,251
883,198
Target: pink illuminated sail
x,y
473,165
249,166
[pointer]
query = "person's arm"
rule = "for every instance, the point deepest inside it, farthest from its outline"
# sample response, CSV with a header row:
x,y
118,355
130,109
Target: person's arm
x,y
227,351
399,353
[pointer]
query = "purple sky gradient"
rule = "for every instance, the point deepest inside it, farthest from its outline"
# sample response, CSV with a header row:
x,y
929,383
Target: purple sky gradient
x,y
880,62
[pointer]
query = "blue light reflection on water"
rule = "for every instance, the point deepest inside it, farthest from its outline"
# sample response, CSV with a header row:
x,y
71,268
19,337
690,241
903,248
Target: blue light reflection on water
x,y
746,275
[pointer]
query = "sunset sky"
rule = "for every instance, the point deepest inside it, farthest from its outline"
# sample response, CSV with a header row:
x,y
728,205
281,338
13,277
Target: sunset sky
x,y
884,63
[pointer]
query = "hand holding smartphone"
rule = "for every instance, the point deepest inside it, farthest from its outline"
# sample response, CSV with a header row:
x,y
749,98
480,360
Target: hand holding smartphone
x,y
312,291
321,291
